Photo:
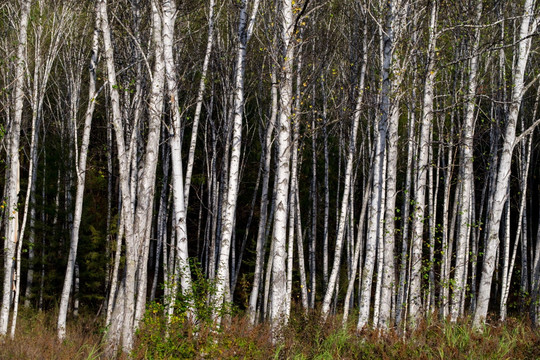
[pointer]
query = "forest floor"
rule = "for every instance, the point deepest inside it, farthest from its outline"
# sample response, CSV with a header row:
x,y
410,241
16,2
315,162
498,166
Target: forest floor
x,y
305,337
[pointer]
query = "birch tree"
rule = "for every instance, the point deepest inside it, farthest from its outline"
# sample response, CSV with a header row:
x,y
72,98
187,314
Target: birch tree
x,y
261,232
379,155
182,269
422,165
13,180
527,27
245,30
464,206
81,176
278,311
344,213
136,219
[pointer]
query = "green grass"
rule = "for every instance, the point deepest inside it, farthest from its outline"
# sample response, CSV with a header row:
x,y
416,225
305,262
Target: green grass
x,y
305,337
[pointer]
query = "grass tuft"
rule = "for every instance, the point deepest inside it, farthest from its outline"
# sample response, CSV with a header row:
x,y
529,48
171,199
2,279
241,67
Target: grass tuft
x,y
304,337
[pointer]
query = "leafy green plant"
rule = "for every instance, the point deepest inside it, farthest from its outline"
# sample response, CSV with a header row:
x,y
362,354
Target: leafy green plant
x,y
163,336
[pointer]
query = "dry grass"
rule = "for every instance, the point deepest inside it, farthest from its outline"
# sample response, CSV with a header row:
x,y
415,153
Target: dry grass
x,y
35,338
308,338
305,337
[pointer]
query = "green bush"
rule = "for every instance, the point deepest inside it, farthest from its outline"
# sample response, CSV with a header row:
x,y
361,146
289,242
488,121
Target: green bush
x,y
177,336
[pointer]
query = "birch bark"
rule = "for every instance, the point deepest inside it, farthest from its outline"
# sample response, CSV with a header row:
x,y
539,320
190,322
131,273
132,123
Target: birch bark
x,y
528,26
12,216
261,233
343,215
182,269
199,102
146,185
278,310
122,317
81,176
245,29
420,186
376,213
464,205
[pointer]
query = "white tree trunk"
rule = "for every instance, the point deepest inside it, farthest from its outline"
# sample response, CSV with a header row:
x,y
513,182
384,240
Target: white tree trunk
x,y
278,311
199,102
464,205
388,281
81,176
301,261
261,233
528,26
12,220
519,233
147,180
122,319
391,111
420,186
228,213
376,213
182,269
347,187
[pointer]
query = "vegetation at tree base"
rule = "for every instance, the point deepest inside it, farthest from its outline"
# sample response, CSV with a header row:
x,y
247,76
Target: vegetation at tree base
x,y
305,337
269,179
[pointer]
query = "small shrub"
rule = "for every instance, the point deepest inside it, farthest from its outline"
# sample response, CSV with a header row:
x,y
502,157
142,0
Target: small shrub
x,y
304,337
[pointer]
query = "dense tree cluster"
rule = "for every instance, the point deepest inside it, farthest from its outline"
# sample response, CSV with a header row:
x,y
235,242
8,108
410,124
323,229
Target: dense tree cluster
x,y
373,158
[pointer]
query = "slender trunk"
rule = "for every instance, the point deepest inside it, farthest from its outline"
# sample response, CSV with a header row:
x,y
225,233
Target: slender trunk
x,y
326,221
12,222
387,291
420,187
124,319
528,26
344,213
357,253
278,311
519,236
81,176
182,268
245,29
261,238
161,227
376,213
403,281
301,262
464,205
199,102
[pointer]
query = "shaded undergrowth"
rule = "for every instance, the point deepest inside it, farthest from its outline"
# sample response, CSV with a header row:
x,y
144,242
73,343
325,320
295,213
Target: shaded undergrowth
x,y
305,337
35,338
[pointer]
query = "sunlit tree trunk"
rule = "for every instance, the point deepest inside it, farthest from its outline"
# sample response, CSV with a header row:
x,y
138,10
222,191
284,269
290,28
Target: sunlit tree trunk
x,y
391,111
261,233
199,102
376,212
81,176
403,278
13,181
122,310
527,27
344,212
147,179
326,218
278,311
182,270
415,303
245,29
464,205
